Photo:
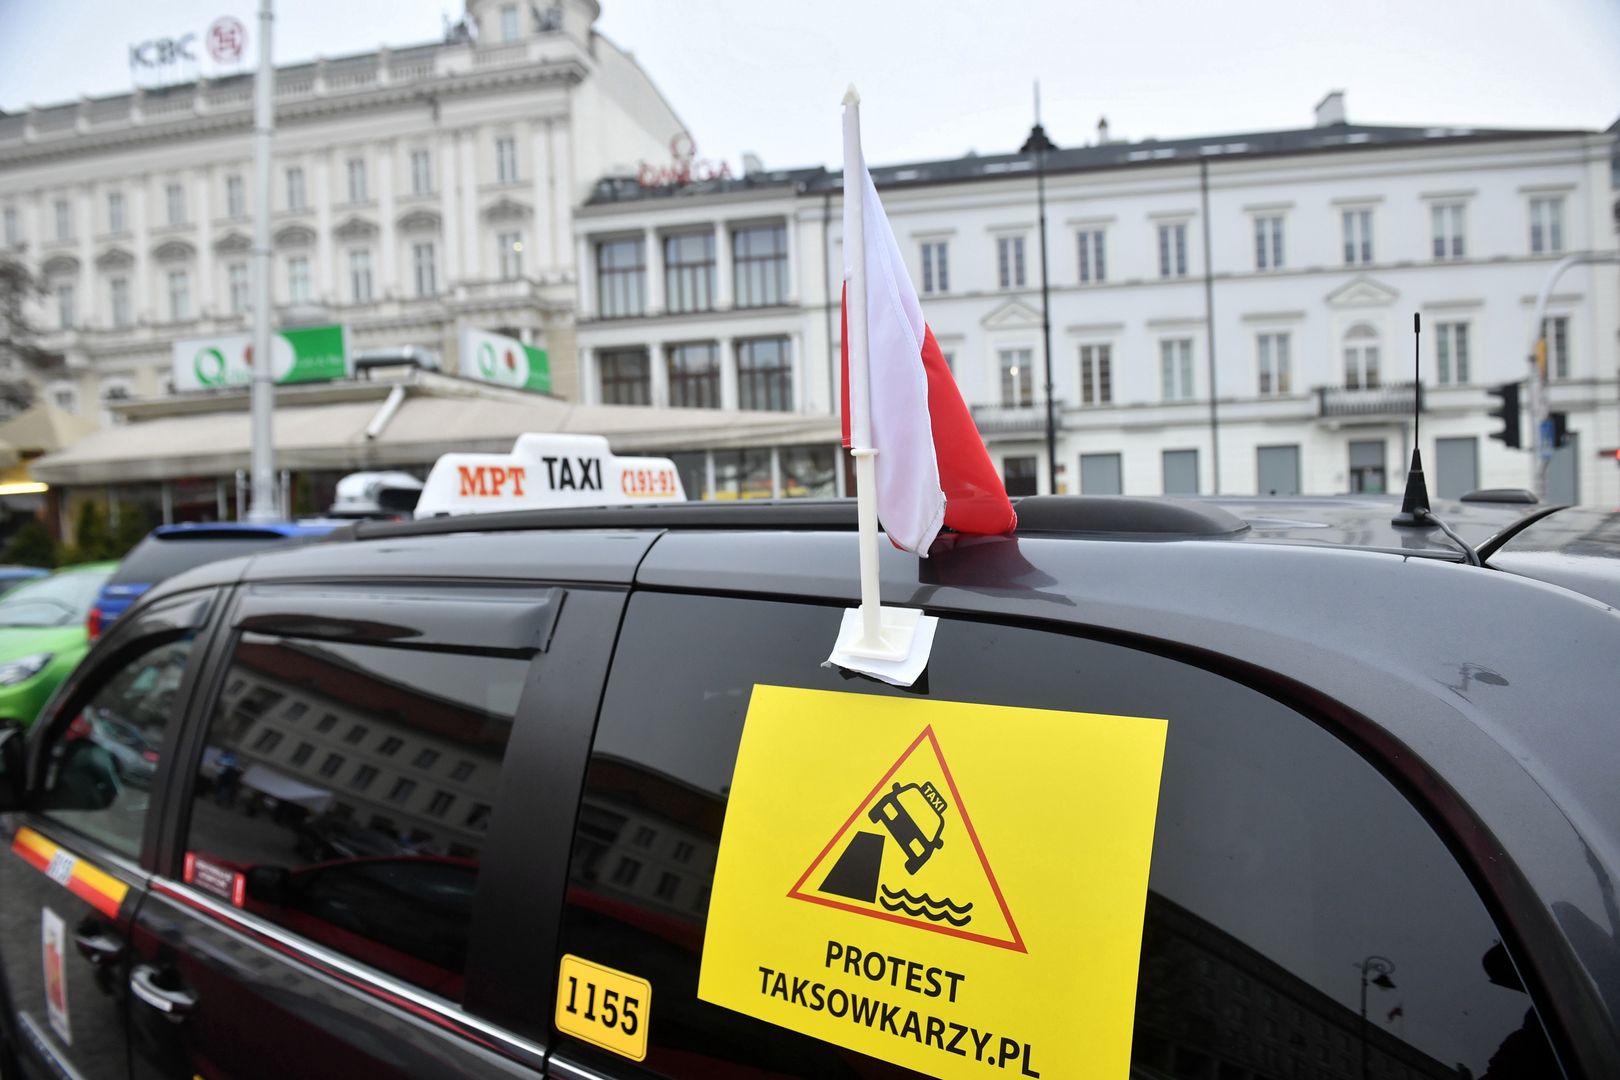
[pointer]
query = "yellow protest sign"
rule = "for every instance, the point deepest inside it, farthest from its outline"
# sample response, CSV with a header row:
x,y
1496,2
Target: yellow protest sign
x,y
938,884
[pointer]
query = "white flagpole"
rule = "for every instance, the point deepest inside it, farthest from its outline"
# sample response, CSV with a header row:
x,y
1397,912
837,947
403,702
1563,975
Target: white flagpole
x,y
860,404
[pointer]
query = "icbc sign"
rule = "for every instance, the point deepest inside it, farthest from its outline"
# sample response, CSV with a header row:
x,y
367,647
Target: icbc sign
x,y
162,52
227,40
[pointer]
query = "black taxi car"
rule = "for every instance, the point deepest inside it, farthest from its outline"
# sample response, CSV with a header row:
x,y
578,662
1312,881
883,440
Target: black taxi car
x,y
405,774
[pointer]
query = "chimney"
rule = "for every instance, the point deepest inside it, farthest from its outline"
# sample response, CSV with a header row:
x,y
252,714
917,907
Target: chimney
x,y
1102,131
1330,110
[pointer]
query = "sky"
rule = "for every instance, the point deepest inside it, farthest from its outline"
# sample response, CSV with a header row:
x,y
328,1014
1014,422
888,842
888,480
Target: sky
x,y
942,77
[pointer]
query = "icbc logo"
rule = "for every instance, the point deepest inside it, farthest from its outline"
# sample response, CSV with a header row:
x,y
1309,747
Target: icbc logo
x,y
227,39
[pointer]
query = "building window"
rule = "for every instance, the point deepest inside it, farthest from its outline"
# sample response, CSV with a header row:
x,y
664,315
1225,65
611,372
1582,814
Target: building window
x,y
175,199
237,280
440,804
356,735
360,275
298,279
625,377
462,772
1361,358
357,180
67,310
332,764
421,172
1096,375
1276,374
689,272
267,741
118,301
1180,472
1358,244
425,759
645,835
625,873
65,398
424,269
683,851
760,265
64,220
1101,474
303,753
510,247
402,790
1018,474
1268,242
1176,369
1447,219
327,723
13,232
506,170
235,200
115,211
1093,257
295,188
620,278
1556,331
764,375
1546,226
509,22
1367,467
694,375
390,746
363,776
1010,262
936,268
667,885
179,295
1017,378
1173,250
1451,352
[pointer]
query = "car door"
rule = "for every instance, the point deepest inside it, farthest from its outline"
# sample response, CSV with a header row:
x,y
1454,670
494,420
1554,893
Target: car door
x,y
72,878
327,904
1303,916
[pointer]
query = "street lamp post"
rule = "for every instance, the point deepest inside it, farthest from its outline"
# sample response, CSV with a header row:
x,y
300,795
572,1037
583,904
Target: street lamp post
x,y
1038,144
1380,968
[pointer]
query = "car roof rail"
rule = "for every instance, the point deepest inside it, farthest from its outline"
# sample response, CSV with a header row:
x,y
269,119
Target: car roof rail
x,y
1521,496
1124,515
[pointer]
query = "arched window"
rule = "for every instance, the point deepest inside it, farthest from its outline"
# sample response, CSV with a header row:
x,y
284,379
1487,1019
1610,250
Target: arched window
x,y
1361,357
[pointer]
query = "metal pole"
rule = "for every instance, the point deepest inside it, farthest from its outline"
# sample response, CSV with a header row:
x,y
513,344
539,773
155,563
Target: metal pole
x,y
1209,332
1541,454
262,506
1046,329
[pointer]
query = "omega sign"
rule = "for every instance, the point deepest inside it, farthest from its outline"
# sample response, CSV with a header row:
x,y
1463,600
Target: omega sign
x,y
685,169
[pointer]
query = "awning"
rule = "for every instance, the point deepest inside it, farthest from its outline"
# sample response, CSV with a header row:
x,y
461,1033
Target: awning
x,y
333,435
43,428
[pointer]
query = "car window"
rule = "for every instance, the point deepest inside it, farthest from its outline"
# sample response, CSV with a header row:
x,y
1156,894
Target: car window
x,y
100,764
58,600
159,558
345,792
1285,871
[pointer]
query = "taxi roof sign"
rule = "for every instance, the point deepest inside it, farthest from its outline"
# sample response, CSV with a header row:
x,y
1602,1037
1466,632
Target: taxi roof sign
x,y
546,470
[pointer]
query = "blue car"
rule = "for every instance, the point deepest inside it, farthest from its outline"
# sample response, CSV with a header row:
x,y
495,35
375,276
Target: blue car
x,y
171,549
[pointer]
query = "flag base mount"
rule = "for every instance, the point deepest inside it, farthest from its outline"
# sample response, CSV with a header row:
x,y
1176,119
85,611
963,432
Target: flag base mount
x,y
898,630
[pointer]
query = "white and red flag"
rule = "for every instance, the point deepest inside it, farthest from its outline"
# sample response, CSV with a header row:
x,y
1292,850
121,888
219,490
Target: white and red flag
x,y
932,468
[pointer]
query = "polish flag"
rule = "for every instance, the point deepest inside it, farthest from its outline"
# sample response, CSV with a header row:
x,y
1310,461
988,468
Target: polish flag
x,y
932,467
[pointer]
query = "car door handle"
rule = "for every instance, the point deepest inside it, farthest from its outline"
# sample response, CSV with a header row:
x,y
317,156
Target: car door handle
x,y
173,1004
99,948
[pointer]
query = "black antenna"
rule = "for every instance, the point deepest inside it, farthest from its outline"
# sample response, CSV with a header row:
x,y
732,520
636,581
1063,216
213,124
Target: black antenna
x,y
1415,504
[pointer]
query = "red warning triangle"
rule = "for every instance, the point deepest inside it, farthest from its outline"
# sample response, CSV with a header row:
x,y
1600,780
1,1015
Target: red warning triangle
x,y
908,854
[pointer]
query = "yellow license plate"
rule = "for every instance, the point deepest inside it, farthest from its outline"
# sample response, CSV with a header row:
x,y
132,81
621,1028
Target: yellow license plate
x,y
606,1008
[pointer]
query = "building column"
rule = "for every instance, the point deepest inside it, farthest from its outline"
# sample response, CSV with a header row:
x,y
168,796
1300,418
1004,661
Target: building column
x,y
790,233
722,266
85,302
323,287
140,278
658,374
798,381
587,278
33,226
654,258
562,202
590,387
728,373
386,285
449,258
205,242
467,146
542,238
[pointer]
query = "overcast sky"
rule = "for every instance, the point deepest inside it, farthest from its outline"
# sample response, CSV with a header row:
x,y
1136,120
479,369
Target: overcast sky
x,y
945,76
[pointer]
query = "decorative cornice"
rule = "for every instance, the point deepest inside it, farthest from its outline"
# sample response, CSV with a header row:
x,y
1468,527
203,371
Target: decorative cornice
x,y
60,264
422,220
114,259
355,228
232,243
508,210
174,250
295,236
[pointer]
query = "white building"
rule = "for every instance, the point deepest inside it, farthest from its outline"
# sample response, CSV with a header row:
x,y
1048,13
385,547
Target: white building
x,y
1241,299
414,191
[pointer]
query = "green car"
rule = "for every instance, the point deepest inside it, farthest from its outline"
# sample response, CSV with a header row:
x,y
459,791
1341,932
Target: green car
x,y
42,635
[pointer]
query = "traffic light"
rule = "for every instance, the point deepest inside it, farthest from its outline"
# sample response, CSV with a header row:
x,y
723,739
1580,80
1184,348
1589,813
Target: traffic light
x,y
1560,429
1508,413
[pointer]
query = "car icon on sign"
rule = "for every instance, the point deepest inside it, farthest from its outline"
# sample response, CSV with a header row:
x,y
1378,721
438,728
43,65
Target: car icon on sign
x,y
913,821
